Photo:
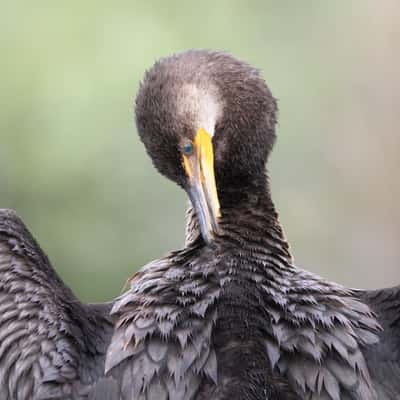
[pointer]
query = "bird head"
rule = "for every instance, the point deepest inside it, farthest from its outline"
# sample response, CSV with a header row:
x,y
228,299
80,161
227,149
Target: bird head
x,y
207,121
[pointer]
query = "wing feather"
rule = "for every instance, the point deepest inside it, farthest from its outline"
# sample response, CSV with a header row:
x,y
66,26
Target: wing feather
x,y
51,345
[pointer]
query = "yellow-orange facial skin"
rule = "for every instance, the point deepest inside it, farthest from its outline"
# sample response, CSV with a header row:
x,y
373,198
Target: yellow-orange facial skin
x,y
202,188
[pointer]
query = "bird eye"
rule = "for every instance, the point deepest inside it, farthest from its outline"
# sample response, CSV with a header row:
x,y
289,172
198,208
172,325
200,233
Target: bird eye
x,y
188,149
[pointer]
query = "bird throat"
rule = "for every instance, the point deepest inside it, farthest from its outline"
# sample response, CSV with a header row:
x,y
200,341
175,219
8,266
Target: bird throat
x,y
248,212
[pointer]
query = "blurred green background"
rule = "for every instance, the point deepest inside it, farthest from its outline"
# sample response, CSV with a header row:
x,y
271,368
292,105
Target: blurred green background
x,y
72,166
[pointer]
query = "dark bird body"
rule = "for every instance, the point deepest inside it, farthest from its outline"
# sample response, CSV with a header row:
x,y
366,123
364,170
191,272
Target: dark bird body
x,y
229,316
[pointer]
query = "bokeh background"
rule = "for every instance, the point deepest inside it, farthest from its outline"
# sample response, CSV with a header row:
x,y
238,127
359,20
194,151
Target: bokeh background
x,y
72,166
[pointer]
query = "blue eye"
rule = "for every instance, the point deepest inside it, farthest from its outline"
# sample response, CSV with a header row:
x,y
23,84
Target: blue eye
x,y
188,149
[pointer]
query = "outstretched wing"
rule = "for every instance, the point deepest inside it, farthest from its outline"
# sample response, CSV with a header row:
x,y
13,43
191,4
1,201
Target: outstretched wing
x,y
383,358
51,345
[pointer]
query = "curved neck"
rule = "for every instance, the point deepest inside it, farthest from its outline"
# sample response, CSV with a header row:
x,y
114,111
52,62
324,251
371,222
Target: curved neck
x,y
248,216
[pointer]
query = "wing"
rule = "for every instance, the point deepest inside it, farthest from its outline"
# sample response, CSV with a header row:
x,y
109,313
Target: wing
x,y
51,345
383,358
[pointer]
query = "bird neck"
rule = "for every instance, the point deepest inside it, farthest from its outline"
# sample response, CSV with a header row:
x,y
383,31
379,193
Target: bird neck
x,y
248,218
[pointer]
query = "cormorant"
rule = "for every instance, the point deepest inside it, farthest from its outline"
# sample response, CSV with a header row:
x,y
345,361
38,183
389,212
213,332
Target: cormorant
x,y
229,316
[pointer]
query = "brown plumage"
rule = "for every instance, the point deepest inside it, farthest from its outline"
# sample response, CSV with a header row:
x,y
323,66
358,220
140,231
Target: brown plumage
x,y
229,316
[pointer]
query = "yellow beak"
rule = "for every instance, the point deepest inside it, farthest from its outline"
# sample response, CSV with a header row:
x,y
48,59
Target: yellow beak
x,y
202,189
